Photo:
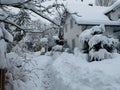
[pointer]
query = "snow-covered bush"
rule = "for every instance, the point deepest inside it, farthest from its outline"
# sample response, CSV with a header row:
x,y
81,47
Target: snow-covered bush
x,y
5,37
44,40
38,48
86,35
97,45
20,48
57,48
19,71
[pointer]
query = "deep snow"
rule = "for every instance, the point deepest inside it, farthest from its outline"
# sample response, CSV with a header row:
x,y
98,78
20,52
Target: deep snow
x,y
78,74
64,71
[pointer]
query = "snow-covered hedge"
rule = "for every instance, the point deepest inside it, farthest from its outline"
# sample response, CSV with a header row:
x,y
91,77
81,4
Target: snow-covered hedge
x,y
44,40
97,45
4,36
57,48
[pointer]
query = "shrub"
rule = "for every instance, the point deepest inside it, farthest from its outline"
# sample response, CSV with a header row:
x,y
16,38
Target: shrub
x,y
96,45
38,48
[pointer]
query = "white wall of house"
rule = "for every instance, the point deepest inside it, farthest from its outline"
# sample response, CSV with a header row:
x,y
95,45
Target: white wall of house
x,y
71,33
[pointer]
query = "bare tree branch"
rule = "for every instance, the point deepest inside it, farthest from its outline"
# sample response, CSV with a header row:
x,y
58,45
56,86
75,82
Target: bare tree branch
x,y
15,4
43,16
14,24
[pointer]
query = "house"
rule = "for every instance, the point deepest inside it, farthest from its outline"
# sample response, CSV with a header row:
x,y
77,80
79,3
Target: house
x,y
80,16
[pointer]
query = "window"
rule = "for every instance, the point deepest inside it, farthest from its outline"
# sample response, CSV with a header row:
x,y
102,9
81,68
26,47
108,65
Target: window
x,y
71,23
66,44
116,29
73,44
118,16
65,27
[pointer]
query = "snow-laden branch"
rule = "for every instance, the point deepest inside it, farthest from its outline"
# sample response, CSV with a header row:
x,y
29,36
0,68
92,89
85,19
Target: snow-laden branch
x,y
9,22
13,2
41,14
14,24
29,5
40,31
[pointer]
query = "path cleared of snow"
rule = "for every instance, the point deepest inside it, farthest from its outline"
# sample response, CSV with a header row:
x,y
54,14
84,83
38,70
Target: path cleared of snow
x,y
37,72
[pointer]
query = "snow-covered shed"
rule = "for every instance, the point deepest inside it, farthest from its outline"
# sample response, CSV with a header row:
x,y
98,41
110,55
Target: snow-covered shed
x,y
80,16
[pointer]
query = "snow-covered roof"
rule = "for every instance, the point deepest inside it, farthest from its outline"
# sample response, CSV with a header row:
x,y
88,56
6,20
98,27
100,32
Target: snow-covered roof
x,y
112,7
84,14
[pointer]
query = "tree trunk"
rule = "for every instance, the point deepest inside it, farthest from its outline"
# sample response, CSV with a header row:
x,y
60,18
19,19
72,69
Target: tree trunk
x,y
2,79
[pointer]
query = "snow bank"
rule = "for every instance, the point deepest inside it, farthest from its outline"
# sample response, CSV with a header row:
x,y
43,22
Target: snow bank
x,y
27,73
57,48
75,72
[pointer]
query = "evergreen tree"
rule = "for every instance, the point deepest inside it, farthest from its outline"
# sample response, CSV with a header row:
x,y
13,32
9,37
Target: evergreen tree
x,y
97,45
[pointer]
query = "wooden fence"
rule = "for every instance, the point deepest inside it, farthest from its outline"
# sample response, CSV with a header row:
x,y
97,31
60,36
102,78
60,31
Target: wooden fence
x,y
2,79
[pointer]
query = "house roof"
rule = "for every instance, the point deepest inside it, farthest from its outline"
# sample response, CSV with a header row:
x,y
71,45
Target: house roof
x,y
85,14
112,7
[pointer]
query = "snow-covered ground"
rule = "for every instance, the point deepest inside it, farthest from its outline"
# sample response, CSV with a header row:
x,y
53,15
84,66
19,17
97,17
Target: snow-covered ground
x,y
78,74
34,69
64,71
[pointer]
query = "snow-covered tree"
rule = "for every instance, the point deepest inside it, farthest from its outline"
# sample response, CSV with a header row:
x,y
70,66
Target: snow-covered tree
x,y
97,45
104,2
21,19
5,37
41,30
25,7
17,22
29,5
